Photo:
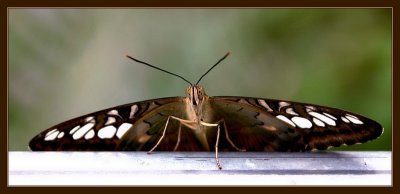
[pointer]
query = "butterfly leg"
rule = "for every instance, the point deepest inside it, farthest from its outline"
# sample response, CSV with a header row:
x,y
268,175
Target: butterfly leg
x,y
229,140
162,136
226,133
216,149
216,142
179,137
218,125
187,122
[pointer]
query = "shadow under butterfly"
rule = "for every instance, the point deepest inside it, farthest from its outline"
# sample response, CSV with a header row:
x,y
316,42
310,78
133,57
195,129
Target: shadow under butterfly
x,y
199,122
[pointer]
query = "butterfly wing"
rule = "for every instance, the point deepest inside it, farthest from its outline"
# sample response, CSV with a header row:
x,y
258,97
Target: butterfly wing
x,y
135,126
253,124
274,125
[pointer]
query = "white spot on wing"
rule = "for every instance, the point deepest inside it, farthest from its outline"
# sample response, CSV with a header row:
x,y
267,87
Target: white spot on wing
x,y
51,136
286,120
90,134
89,119
264,104
50,132
329,115
110,120
106,132
310,108
60,135
113,112
283,104
323,118
82,131
318,122
122,129
291,111
345,120
354,119
74,129
349,115
134,109
302,122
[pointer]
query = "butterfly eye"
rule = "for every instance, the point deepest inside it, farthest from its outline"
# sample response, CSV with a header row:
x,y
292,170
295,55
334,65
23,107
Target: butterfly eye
x,y
199,94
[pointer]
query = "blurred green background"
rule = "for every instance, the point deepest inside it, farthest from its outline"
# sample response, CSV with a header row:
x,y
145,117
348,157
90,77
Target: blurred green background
x,y
64,63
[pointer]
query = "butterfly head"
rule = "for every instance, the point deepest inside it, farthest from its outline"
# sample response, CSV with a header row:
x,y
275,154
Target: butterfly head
x,y
196,95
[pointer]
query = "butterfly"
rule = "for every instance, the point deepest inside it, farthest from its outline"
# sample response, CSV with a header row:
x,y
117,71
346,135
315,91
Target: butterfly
x,y
199,122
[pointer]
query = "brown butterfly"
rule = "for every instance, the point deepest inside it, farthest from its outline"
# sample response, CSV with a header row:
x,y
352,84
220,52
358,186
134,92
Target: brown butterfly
x,y
199,122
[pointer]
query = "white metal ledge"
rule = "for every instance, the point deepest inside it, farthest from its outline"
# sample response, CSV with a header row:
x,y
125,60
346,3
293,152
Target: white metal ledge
x,y
199,168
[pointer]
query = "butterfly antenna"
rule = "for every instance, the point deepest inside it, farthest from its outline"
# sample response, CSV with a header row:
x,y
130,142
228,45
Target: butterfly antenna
x,y
144,63
219,61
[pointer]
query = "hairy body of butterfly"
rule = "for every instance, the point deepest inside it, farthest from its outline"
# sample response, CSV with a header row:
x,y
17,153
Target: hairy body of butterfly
x,y
198,122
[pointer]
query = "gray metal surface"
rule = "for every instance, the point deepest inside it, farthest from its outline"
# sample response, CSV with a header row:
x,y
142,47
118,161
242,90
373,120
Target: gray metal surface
x,y
199,168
